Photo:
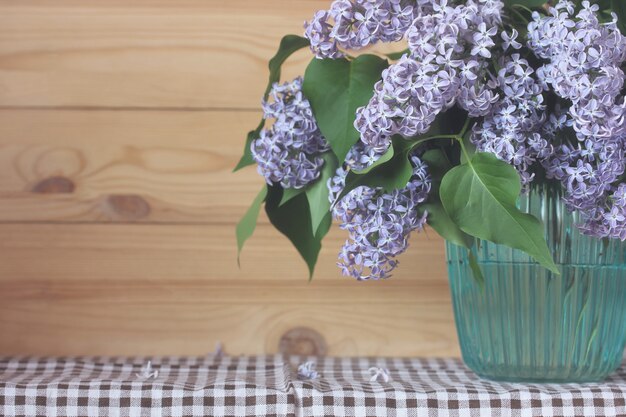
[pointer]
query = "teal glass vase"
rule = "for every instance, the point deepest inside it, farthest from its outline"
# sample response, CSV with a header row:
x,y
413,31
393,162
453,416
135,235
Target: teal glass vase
x,y
524,323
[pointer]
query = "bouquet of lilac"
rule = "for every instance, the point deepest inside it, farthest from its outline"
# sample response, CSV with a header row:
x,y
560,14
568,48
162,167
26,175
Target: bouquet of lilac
x,y
488,98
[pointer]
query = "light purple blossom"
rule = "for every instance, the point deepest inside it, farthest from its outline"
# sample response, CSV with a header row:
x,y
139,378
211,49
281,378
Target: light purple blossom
x,y
355,24
289,151
462,54
510,41
318,32
583,60
378,223
512,130
444,68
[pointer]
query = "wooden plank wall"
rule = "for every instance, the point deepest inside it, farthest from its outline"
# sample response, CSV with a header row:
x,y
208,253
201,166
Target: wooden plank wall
x,y
120,123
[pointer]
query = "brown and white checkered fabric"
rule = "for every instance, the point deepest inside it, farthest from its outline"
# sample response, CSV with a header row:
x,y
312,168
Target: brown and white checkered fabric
x,y
446,388
112,387
270,386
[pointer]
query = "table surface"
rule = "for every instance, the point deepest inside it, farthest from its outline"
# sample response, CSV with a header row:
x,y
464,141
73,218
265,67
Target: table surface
x,y
218,385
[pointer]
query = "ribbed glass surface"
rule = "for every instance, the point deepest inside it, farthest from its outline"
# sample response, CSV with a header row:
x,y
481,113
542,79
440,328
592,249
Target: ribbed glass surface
x,y
527,324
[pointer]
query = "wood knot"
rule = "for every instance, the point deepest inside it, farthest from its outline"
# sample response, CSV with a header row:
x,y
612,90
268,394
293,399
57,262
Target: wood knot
x,y
54,185
302,341
128,207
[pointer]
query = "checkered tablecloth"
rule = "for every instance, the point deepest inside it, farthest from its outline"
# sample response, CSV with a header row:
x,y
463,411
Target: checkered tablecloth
x,y
272,386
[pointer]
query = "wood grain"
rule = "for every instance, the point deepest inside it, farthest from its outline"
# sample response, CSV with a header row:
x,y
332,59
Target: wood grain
x,y
303,341
119,166
149,53
120,123
154,327
157,289
100,252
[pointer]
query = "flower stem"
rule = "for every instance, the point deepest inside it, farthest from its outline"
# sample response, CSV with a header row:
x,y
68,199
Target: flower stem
x,y
519,14
463,149
439,137
459,137
521,6
466,126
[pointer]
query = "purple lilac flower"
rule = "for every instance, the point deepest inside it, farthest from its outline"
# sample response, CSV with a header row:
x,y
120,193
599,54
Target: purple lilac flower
x,y
608,220
452,52
289,151
354,24
583,65
512,130
378,223
318,32
448,63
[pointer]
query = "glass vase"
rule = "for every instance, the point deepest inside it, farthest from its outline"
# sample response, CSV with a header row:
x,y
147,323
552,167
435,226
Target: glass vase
x,y
524,323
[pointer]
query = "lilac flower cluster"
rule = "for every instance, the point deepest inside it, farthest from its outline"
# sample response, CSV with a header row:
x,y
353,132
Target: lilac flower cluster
x,y
451,50
613,220
566,114
354,24
378,223
513,128
583,66
289,151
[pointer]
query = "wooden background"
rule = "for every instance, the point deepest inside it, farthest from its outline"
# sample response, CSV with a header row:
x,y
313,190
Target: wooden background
x,y
120,123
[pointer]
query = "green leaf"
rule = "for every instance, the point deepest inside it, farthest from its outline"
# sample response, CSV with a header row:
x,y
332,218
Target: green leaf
x,y
317,194
480,197
386,157
394,56
247,224
391,175
336,88
289,193
288,45
322,230
438,218
470,148
246,158
324,226
393,169
477,273
443,224
293,219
